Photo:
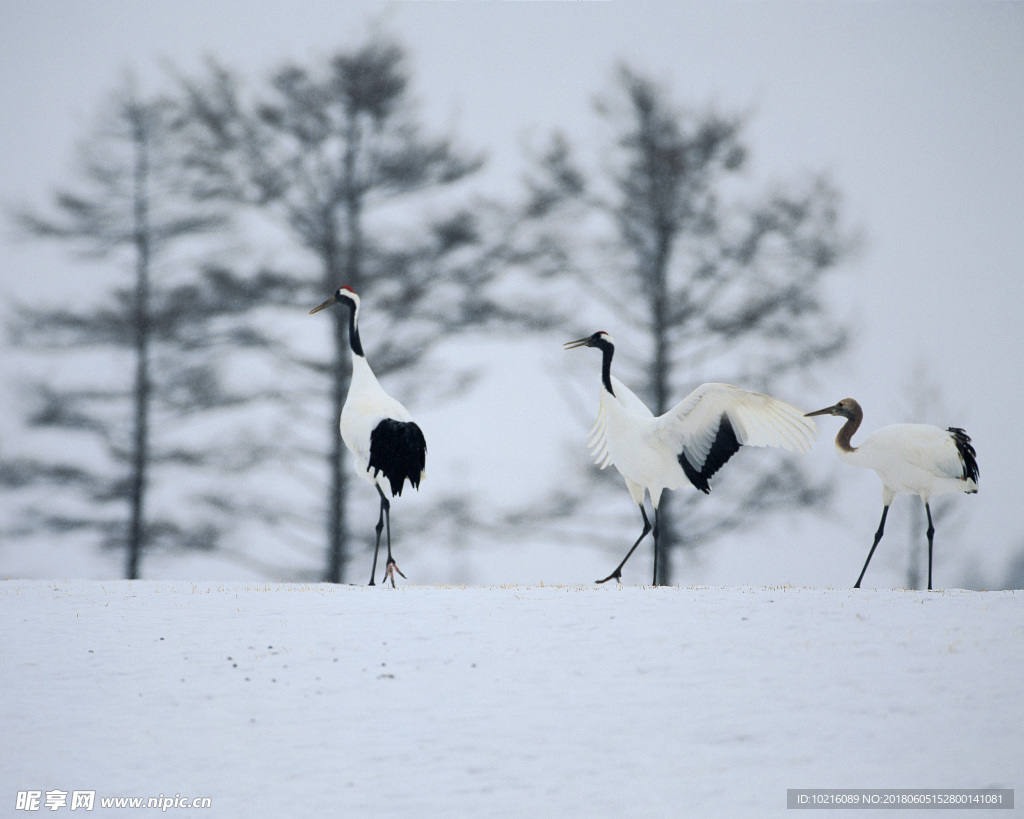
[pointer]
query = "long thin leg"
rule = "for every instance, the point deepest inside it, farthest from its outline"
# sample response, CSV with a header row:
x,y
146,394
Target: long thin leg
x,y
878,537
390,567
931,534
617,574
654,582
380,528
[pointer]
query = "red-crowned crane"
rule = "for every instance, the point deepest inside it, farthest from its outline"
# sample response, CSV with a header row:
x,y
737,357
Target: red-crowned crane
x,y
388,446
689,443
913,459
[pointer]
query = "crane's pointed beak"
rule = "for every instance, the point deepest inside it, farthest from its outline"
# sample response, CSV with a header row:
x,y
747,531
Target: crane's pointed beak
x,y
826,411
323,306
580,342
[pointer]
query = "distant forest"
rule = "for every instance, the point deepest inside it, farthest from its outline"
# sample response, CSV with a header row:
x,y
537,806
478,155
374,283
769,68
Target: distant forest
x,y
184,408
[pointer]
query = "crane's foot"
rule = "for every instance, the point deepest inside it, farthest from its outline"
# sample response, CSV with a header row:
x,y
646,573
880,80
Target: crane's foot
x,y
389,572
616,576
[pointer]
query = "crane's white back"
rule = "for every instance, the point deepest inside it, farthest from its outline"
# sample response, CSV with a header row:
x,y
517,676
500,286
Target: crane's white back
x,y
914,459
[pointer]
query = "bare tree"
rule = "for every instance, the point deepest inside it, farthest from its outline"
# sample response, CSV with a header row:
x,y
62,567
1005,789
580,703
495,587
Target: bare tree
x,y
129,208
329,152
709,286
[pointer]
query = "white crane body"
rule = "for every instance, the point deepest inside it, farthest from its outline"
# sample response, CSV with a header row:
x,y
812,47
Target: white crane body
x,y
648,451
366,407
388,446
910,459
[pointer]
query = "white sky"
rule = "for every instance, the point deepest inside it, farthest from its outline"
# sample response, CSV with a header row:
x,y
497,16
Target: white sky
x,y
916,109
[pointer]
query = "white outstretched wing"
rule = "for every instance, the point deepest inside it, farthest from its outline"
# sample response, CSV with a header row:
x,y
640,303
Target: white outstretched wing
x,y
696,425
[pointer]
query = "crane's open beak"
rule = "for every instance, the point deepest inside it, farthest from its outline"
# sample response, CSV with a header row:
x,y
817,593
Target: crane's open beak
x,y
320,307
580,342
826,411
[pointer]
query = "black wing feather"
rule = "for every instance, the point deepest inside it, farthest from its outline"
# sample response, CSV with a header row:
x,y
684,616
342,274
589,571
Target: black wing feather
x,y
399,450
968,456
725,446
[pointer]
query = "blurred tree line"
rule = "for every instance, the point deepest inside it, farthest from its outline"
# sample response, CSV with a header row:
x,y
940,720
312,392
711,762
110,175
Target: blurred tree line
x,y
224,210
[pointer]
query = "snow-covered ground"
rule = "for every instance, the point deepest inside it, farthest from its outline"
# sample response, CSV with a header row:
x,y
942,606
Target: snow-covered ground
x,y
291,700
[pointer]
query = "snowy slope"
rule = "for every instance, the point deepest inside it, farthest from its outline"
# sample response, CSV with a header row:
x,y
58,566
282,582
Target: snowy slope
x,y
286,700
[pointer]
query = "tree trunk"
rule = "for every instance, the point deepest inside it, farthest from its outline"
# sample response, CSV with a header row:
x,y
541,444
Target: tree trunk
x,y
142,388
338,552
660,386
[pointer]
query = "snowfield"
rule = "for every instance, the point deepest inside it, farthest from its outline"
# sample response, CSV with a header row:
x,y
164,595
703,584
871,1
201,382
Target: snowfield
x,y
316,700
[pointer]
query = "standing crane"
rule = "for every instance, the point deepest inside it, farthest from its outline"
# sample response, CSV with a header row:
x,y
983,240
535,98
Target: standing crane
x,y
913,459
388,446
689,443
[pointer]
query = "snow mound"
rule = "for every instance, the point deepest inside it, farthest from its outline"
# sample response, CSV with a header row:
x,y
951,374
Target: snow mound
x,y
504,701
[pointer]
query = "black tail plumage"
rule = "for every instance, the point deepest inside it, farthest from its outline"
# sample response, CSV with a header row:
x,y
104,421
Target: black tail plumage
x,y
967,454
399,450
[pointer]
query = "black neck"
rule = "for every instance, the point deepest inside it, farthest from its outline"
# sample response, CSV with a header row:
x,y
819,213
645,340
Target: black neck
x,y
607,351
353,331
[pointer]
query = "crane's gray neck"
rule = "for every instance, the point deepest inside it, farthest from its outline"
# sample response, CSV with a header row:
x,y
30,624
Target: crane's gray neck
x,y
843,439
